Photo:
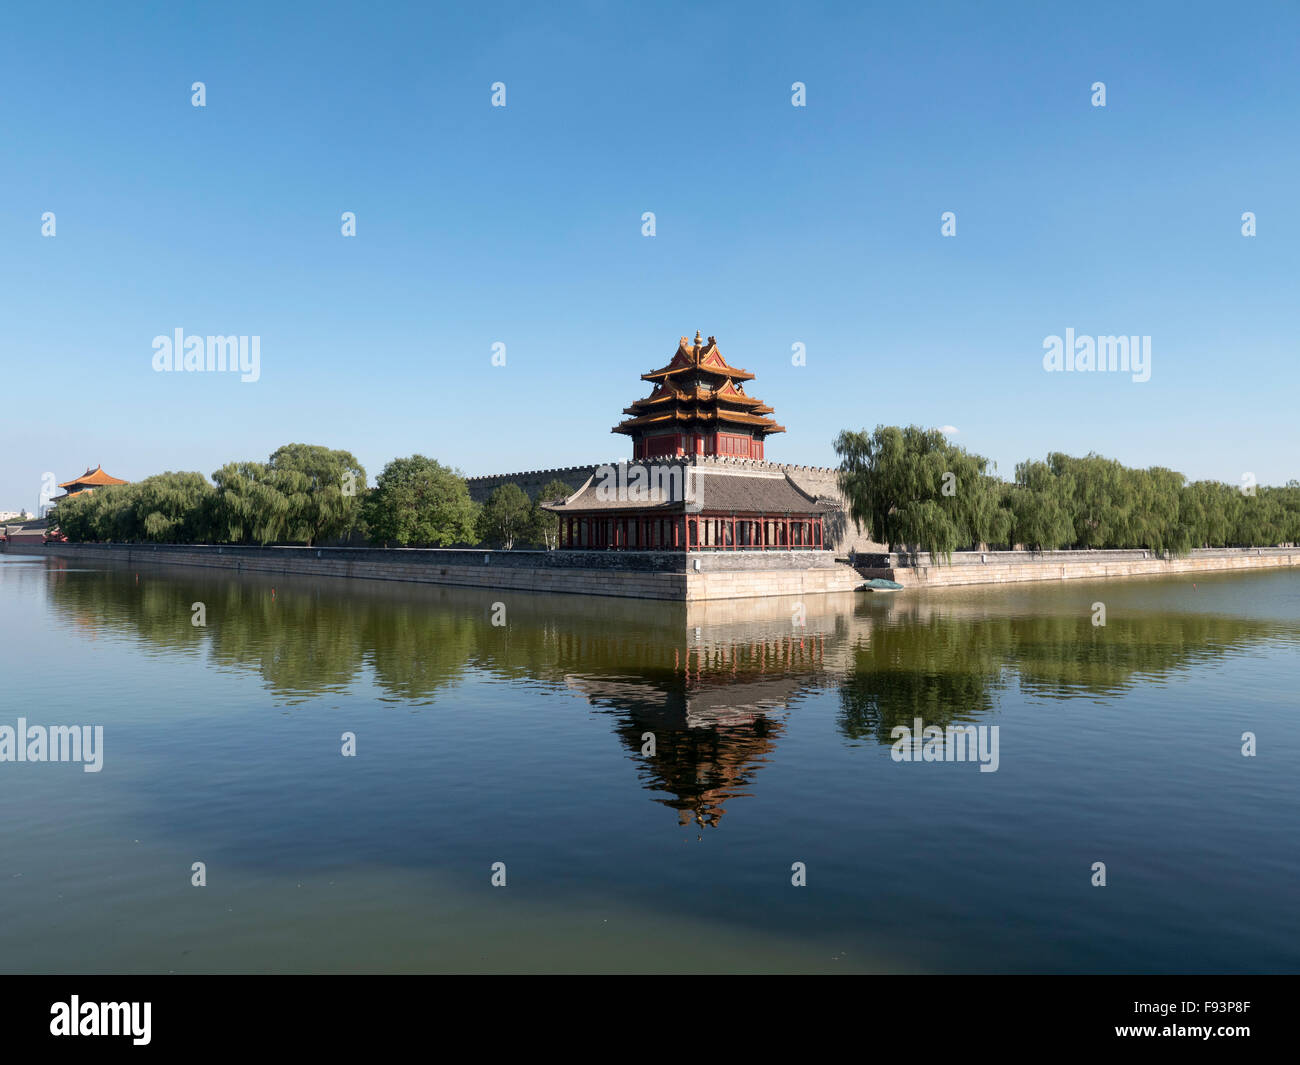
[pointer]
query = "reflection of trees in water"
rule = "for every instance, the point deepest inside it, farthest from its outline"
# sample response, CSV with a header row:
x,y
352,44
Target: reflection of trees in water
x,y
717,703
97,602
716,707
945,669
938,671
302,643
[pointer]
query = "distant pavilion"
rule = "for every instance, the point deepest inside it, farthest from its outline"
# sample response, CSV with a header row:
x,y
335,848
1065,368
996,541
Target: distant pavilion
x,y
698,479
88,481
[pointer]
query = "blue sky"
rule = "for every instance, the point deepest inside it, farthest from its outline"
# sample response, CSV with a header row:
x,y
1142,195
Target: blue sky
x,y
522,225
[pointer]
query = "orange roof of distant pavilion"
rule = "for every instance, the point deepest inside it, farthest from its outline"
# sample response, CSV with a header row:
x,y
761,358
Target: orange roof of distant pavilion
x,y
95,478
684,397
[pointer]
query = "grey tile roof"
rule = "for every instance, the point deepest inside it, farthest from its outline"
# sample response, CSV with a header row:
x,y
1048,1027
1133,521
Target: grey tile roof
x,y
730,492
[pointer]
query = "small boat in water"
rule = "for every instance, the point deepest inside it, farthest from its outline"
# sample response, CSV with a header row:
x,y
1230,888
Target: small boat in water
x,y
879,584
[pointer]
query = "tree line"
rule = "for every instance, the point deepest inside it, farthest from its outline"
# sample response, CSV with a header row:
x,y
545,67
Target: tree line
x,y
916,491
308,494
908,487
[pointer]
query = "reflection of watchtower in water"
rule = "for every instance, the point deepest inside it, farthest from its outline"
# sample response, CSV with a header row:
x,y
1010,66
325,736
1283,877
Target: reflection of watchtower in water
x,y
715,716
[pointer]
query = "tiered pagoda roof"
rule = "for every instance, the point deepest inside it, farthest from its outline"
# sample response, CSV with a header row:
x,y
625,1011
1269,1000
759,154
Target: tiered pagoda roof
x,y
699,387
92,478
726,489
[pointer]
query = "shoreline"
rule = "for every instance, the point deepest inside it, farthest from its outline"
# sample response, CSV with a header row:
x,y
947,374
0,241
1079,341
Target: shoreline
x,y
671,576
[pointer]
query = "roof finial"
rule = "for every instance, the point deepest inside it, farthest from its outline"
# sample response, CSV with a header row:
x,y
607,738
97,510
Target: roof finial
x,y
697,340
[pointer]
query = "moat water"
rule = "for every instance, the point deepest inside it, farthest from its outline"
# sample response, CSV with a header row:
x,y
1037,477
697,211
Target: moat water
x,y
525,743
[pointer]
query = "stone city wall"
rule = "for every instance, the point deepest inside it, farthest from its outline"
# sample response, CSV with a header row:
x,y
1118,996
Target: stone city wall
x,y
636,574
697,576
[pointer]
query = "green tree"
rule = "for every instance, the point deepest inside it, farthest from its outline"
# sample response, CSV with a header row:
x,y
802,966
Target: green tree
x,y
323,489
911,488
249,508
546,524
505,516
304,493
74,518
1040,508
419,501
172,507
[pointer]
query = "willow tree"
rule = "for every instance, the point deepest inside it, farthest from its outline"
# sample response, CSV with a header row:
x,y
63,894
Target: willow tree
x,y
249,508
1040,505
173,507
911,488
75,517
323,489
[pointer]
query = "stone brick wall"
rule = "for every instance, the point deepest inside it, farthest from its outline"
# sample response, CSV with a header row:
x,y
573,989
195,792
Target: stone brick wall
x,y
531,481
1013,567
638,574
665,575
